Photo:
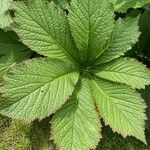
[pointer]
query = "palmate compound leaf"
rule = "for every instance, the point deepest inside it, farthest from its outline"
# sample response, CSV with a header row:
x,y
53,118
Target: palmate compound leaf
x,y
30,89
76,125
121,107
91,23
125,70
123,5
125,34
44,28
37,88
11,51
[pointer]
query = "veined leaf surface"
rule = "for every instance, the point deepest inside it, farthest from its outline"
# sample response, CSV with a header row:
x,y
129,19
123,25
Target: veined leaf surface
x,y
5,17
125,70
38,88
121,108
91,23
44,28
125,34
11,51
76,125
124,5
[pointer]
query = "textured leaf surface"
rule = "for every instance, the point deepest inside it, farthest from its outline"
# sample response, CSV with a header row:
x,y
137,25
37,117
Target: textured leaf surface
x,y
91,23
123,5
124,35
45,29
5,18
125,70
38,88
63,3
11,51
146,96
121,107
76,125
4,5
5,21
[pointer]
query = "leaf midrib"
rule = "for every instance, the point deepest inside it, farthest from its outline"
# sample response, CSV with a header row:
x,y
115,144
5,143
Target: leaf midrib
x,y
110,41
122,73
109,97
71,58
49,82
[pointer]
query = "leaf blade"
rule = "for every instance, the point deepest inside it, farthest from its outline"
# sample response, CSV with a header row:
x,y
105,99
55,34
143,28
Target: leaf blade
x,y
125,70
11,51
91,22
123,37
38,88
123,6
76,125
121,108
47,33
5,17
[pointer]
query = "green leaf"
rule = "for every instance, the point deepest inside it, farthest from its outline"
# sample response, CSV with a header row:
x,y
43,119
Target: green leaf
x,y
125,70
37,88
121,108
146,96
5,21
5,17
45,29
76,125
4,5
91,23
123,37
123,5
11,51
63,3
